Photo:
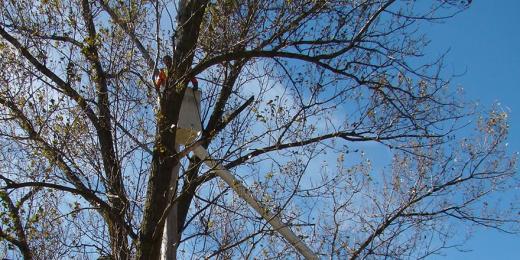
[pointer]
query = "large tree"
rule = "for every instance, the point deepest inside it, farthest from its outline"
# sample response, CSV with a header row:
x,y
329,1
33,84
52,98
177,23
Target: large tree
x,y
295,96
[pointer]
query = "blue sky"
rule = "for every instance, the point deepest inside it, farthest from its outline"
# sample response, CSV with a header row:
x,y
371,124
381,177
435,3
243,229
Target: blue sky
x,y
484,44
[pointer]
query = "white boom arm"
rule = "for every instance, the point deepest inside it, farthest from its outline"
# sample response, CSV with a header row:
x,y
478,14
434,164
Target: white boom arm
x,y
247,195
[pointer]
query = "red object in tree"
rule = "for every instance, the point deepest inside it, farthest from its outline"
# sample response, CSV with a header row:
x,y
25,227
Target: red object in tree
x,y
163,74
195,83
161,78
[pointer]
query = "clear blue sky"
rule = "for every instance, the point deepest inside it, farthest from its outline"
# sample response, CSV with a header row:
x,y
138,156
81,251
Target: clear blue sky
x,y
484,43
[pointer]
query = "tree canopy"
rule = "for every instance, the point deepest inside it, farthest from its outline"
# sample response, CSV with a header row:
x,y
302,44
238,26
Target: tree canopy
x,y
296,94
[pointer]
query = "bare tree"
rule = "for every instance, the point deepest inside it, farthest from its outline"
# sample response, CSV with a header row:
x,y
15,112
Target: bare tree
x,y
294,93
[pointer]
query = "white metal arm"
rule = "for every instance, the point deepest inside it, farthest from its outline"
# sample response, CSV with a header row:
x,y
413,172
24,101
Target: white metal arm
x,y
247,195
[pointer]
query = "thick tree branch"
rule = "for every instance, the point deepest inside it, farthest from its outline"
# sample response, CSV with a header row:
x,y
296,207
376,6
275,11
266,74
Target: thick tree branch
x,y
119,240
105,133
230,56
